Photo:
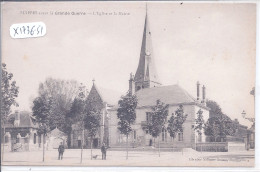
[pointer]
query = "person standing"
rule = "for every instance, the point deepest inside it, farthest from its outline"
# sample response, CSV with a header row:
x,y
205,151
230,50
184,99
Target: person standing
x,y
61,151
104,151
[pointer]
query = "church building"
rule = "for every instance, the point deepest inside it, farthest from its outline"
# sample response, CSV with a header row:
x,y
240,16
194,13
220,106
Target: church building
x,y
103,99
146,85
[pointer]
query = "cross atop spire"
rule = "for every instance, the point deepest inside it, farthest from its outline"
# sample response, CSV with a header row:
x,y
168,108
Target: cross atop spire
x,y
146,75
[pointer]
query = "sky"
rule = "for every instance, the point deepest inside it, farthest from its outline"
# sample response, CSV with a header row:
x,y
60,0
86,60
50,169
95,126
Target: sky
x,y
213,43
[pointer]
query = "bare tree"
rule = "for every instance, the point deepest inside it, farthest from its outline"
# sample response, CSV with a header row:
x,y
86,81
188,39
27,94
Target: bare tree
x,y
62,93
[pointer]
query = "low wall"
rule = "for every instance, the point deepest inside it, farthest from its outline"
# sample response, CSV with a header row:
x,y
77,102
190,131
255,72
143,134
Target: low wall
x,y
220,146
236,146
212,147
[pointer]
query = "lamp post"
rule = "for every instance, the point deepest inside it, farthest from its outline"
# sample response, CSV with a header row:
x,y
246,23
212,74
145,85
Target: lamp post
x,y
252,92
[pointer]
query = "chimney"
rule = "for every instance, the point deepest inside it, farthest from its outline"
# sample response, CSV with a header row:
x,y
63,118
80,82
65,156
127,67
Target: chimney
x,y
131,85
203,94
198,90
17,119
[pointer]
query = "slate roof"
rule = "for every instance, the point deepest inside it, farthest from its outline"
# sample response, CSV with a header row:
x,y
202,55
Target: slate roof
x,y
172,94
26,120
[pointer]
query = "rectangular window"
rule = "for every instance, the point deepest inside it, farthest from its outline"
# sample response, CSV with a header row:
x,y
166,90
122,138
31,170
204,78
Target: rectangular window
x,y
162,136
148,117
34,138
134,134
180,137
39,138
200,138
79,143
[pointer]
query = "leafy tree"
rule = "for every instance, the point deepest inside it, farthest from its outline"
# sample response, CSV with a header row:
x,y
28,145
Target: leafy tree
x,y
212,129
252,92
92,120
42,111
159,116
215,109
219,127
175,123
77,114
9,92
199,122
126,115
199,125
226,126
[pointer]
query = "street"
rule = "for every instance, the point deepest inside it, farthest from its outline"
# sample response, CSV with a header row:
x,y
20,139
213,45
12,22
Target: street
x,y
188,157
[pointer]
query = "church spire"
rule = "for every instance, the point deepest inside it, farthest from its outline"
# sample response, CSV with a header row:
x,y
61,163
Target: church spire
x,y
146,76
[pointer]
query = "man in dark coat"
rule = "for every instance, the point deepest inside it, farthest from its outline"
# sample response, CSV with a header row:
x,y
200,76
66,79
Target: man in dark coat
x,y
104,151
61,150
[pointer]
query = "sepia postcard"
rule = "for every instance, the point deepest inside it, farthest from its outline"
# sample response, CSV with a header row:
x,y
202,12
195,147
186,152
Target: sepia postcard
x,y
153,84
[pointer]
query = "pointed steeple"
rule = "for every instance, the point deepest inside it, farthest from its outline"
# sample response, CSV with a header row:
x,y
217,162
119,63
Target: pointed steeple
x,y
146,76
